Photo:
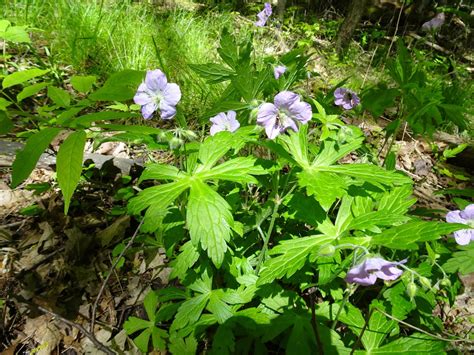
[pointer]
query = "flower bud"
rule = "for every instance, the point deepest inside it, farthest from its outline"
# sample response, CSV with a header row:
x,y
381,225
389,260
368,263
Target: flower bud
x,y
253,114
411,290
425,282
327,250
175,142
445,282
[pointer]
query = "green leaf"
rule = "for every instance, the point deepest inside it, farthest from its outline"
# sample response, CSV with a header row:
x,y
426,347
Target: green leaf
x,y
4,103
413,345
316,183
331,152
86,120
378,329
212,149
150,303
224,106
16,34
294,254
6,125
462,261
190,311
407,235
236,170
143,339
158,337
398,200
160,196
83,83
369,173
221,310
162,172
379,98
120,86
59,96
376,218
69,165
27,158
134,324
184,261
20,77
183,346
30,91
209,220
131,129
213,73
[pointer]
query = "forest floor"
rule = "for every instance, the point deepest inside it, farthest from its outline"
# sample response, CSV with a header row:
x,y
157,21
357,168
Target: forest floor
x,y
48,261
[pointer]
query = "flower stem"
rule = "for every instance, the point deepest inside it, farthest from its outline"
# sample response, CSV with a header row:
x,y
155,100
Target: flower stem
x,y
261,257
349,292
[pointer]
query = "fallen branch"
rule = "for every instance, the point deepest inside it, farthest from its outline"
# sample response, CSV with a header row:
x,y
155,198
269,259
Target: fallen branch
x,y
117,260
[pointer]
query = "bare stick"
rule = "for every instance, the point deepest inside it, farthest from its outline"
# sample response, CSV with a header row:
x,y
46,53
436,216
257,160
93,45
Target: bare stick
x,y
102,288
396,30
79,327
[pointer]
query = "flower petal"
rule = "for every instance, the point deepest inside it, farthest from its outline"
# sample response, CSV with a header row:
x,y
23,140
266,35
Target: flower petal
x,y
156,80
389,272
167,111
220,119
172,94
464,236
285,99
267,114
468,212
455,217
142,98
273,131
287,122
148,109
339,93
216,128
301,111
279,71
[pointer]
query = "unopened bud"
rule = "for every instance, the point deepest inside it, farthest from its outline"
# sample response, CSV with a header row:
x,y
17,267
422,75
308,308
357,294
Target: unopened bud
x,y
445,282
253,114
175,142
327,250
411,290
424,281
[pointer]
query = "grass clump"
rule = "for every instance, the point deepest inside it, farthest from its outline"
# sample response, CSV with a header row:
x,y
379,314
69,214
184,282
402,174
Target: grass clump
x,y
103,37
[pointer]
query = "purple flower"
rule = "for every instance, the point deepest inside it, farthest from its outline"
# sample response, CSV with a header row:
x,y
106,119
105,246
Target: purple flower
x,y
278,71
435,23
463,236
346,98
264,15
284,114
370,269
224,122
155,93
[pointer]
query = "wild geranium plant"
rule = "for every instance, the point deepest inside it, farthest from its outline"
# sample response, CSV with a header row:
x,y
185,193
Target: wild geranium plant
x,y
275,244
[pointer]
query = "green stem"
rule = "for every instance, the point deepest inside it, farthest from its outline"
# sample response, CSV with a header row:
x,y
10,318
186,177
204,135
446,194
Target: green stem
x,y
343,303
261,257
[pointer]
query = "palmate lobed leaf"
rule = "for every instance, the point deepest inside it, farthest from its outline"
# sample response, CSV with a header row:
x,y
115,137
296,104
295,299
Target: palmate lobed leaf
x,y
369,173
209,220
160,196
236,170
294,253
412,345
462,261
406,236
